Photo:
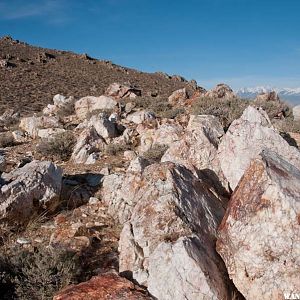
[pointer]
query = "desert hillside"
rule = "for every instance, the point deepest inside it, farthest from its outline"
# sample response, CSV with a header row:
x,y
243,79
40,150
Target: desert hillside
x,y
30,76
118,184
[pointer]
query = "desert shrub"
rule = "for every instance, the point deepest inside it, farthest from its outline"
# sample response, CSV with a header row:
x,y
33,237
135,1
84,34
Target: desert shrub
x,y
274,108
159,106
38,274
225,110
59,146
114,149
7,140
288,125
65,111
143,102
155,153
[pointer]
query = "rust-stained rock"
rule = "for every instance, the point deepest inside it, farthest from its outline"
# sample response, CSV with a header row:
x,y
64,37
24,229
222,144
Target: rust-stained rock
x,y
198,146
259,238
171,234
108,286
246,138
178,97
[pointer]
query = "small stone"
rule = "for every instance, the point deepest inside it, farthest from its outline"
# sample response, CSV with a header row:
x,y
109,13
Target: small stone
x,y
22,241
93,200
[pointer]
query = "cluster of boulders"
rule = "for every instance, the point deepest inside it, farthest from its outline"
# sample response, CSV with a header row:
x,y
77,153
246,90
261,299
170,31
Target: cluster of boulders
x,y
217,215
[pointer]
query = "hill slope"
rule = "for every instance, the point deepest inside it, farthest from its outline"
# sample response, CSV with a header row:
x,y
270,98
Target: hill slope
x,y
32,76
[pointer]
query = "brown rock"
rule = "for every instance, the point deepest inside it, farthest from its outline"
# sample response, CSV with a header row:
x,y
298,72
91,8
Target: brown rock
x,y
221,91
119,91
269,96
108,286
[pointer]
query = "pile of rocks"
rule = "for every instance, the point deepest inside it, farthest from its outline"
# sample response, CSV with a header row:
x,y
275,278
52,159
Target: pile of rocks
x,y
216,215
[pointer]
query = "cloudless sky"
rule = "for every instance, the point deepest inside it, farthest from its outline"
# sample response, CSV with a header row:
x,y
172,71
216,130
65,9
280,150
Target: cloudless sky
x,y
240,42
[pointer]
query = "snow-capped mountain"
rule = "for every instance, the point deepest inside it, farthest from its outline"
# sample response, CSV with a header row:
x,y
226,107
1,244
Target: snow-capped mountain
x,y
291,95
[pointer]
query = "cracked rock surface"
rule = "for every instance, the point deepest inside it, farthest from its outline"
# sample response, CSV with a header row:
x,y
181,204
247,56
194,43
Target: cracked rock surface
x,y
259,238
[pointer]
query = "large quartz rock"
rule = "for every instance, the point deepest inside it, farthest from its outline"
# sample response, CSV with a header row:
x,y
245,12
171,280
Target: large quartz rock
x,y
119,190
62,105
88,143
197,149
245,139
165,134
141,116
103,126
173,228
259,238
28,190
88,104
32,125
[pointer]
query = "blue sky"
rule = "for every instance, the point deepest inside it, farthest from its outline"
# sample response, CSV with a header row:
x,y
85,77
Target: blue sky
x,y
239,42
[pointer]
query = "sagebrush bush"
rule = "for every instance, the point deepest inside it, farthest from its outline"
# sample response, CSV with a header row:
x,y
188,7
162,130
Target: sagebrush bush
x,y
114,149
7,140
274,108
159,106
226,110
155,153
36,275
59,146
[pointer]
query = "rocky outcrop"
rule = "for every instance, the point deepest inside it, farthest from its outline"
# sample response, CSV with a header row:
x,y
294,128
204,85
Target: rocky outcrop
x,y
29,190
32,125
245,139
259,236
165,134
178,97
174,211
87,105
221,91
89,143
296,113
109,286
266,97
141,116
119,190
103,126
197,149
61,105
119,91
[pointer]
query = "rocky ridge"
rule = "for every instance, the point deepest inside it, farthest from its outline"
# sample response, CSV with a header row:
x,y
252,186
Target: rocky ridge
x,y
154,207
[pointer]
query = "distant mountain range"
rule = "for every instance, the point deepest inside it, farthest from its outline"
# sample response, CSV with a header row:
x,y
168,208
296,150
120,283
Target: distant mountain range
x,y
291,95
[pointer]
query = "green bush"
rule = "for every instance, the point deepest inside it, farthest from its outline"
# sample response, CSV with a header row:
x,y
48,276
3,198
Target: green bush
x,y
59,146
